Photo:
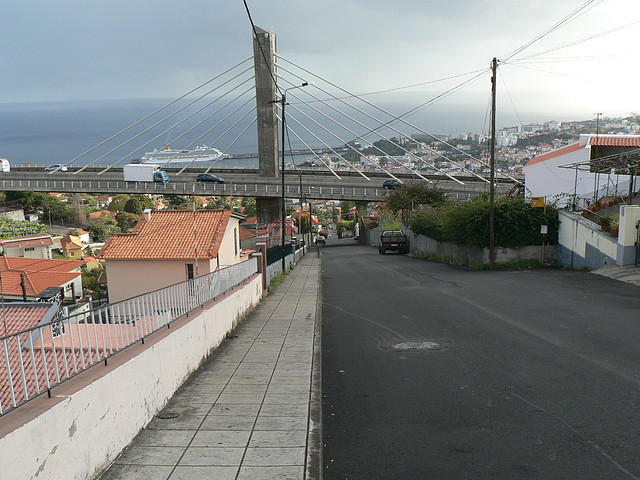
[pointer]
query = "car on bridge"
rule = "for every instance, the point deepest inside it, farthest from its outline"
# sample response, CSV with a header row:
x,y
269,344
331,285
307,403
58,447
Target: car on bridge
x,y
392,184
209,177
55,167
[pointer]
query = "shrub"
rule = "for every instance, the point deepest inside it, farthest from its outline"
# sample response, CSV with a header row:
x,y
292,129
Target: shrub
x,y
517,224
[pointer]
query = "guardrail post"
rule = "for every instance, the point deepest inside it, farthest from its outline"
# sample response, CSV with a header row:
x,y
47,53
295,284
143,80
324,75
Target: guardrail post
x,y
262,265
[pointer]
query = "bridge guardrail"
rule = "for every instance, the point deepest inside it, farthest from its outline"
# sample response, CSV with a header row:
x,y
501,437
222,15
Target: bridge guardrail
x,y
34,361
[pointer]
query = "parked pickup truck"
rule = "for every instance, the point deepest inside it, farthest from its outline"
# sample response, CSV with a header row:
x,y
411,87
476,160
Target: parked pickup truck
x,y
393,240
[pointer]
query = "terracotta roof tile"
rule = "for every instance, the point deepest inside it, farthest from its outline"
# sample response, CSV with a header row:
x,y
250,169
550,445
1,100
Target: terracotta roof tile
x,y
556,153
171,234
39,274
615,141
16,317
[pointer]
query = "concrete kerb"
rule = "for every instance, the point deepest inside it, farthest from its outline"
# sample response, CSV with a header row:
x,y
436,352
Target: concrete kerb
x,y
314,467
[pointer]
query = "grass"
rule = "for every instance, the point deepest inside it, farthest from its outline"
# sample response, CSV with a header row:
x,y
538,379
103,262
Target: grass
x,y
526,264
279,278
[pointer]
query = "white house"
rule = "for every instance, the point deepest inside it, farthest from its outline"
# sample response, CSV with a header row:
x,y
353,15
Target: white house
x,y
30,246
564,174
168,247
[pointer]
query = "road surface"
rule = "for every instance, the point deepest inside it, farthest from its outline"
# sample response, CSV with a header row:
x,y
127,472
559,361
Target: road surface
x,y
439,372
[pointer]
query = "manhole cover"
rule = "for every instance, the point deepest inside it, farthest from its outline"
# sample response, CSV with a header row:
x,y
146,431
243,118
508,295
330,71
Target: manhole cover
x,y
417,346
167,415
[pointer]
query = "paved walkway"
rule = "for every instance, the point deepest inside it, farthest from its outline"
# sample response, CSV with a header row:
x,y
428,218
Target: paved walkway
x,y
252,411
627,273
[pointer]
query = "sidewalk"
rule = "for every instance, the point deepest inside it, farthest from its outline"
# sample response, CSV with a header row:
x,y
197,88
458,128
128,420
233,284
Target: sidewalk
x,y
628,273
252,410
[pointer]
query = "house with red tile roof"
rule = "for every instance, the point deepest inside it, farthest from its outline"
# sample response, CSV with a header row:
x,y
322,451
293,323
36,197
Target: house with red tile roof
x,y
168,247
31,246
37,279
564,173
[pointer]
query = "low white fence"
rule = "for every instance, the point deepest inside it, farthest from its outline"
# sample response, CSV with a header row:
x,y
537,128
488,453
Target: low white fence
x,y
276,267
34,361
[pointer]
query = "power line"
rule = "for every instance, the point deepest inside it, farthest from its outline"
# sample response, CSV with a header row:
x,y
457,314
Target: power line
x,y
264,55
588,5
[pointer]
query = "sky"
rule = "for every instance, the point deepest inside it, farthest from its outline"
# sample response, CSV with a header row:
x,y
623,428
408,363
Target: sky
x,y
124,49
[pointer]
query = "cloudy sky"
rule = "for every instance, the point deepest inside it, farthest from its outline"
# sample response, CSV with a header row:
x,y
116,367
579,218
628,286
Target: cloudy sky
x,y
75,49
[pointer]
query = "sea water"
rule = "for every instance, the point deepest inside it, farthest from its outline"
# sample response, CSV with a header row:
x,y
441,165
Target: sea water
x,y
61,132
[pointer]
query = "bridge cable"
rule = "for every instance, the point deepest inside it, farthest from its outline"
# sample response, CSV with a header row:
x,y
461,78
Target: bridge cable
x,y
358,136
404,121
380,135
251,123
161,121
383,137
323,143
154,113
201,122
223,133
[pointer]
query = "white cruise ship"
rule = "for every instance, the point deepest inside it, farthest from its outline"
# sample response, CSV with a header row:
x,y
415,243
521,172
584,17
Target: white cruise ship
x,y
202,153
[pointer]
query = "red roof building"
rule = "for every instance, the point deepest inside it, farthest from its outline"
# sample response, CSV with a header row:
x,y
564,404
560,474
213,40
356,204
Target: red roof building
x,y
168,247
40,279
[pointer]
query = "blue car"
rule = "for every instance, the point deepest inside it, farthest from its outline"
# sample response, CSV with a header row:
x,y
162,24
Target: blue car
x,y
209,177
392,184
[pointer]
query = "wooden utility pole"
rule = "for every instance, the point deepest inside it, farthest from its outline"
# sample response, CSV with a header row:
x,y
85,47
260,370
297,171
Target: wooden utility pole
x,y
492,163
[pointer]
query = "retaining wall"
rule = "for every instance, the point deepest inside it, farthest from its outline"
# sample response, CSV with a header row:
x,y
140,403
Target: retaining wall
x,y
94,416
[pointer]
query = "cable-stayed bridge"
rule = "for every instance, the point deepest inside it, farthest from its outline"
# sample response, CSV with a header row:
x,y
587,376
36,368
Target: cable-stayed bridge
x,y
277,107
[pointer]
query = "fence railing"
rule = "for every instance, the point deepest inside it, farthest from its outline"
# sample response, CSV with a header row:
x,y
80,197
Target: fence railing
x,y
34,361
275,267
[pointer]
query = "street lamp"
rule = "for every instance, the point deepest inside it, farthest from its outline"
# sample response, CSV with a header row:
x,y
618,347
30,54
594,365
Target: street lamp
x,y
283,102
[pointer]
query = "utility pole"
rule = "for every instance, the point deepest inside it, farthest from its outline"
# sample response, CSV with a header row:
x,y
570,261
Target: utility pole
x,y
492,174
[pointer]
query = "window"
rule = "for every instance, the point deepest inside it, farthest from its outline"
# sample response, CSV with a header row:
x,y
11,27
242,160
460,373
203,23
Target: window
x,y
30,249
190,271
235,240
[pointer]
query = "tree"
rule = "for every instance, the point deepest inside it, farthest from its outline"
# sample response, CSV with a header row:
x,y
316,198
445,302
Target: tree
x,y
250,208
413,194
144,200
177,202
118,202
102,228
126,221
133,206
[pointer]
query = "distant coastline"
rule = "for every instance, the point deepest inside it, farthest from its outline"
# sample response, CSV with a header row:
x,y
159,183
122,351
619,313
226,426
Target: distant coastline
x,y
56,132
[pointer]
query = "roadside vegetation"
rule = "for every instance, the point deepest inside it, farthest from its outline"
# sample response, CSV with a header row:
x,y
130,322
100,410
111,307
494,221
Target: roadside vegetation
x,y
428,212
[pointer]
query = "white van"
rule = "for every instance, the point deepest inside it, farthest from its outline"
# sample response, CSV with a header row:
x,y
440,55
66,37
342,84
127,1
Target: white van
x,y
4,165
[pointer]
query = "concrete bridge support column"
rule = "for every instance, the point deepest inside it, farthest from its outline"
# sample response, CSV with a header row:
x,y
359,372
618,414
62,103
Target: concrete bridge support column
x,y
264,49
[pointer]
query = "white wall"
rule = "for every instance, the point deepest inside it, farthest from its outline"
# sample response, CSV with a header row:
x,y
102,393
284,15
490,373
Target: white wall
x,y
80,436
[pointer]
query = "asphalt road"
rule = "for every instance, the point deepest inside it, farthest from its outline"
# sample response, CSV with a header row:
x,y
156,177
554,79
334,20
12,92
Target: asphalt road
x,y
519,375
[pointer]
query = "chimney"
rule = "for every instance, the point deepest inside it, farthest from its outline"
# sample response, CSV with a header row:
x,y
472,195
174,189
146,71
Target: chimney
x,y
147,214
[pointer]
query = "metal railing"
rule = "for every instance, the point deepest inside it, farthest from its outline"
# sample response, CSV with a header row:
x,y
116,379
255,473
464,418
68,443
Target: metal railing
x,y
276,267
34,361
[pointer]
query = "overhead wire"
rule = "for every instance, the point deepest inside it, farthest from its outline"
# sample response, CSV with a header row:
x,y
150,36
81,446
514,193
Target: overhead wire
x,y
585,7
264,55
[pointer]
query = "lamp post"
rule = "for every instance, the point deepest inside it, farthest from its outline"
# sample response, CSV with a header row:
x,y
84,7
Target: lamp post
x,y
283,102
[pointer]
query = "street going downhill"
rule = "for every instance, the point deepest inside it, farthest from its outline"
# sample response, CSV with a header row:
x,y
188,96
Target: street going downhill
x,y
439,372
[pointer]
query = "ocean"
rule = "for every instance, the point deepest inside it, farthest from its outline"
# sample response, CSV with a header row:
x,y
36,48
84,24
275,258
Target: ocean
x,y
57,132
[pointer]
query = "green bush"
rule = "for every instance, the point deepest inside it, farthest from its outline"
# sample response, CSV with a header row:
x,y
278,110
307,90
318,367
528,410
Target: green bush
x,y
517,224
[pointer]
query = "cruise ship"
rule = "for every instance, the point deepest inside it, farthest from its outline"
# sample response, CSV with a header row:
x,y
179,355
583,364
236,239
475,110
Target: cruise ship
x,y
203,153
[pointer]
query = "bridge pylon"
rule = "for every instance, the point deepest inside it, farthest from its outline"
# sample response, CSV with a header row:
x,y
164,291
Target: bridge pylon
x,y
264,50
